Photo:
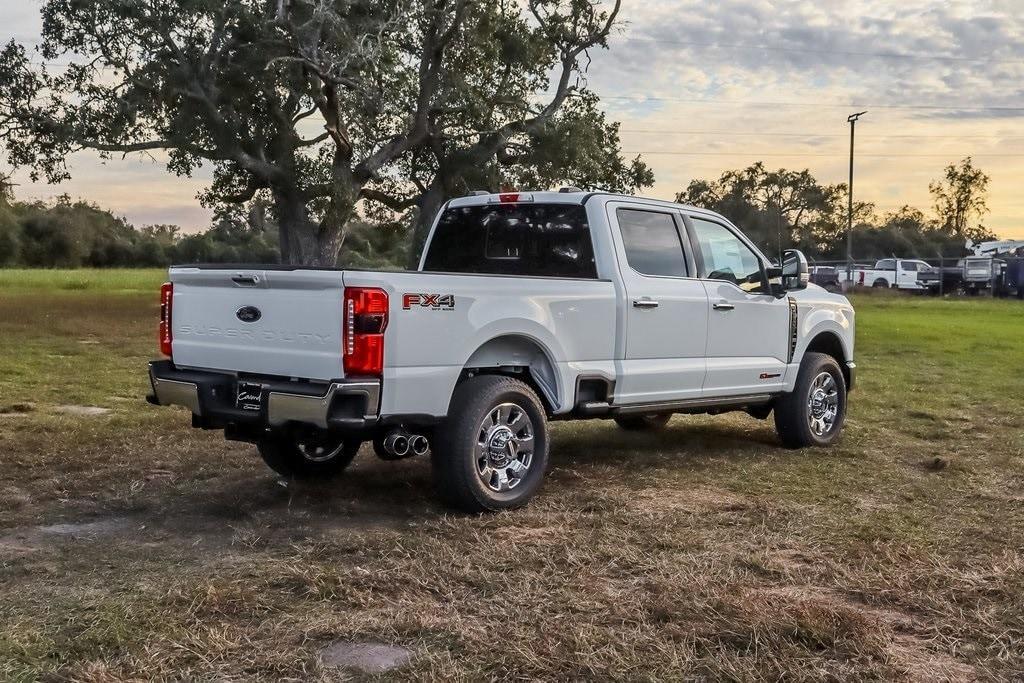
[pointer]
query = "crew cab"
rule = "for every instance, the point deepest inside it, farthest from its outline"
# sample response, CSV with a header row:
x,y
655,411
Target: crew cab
x,y
525,308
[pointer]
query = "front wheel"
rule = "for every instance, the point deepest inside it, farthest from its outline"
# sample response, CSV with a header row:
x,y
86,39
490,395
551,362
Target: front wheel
x,y
814,412
492,450
308,455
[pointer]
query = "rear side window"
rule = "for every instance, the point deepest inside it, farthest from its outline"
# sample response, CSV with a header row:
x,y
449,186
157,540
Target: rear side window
x,y
652,242
546,240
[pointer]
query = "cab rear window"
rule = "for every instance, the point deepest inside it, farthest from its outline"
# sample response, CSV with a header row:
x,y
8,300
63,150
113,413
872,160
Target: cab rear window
x,y
545,240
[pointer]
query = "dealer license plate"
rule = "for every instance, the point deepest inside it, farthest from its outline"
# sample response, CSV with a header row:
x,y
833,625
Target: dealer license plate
x,y
249,396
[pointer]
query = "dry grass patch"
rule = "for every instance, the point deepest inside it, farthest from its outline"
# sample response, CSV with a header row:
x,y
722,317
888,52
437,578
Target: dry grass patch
x,y
134,548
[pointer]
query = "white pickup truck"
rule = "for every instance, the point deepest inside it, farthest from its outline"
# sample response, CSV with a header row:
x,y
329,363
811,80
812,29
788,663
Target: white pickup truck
x,y
525,308
893,273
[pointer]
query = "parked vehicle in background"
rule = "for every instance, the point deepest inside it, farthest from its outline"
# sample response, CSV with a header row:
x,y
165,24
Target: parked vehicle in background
x,y
979,273
1013,275
526,307
826,277
942,279
893,273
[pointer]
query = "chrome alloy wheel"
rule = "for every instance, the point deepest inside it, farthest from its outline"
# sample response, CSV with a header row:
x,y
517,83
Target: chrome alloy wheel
x,y
823,404
320,451
504,448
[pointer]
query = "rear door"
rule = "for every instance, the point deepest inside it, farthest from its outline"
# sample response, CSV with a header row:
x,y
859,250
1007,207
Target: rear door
x,y
262,321
749,328
666,307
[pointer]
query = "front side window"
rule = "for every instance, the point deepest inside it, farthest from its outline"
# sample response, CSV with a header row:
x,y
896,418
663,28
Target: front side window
x,y
725,256
540,240
652,242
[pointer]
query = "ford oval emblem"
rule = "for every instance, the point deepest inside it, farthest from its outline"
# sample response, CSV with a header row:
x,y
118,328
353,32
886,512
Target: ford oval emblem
x,y
248,314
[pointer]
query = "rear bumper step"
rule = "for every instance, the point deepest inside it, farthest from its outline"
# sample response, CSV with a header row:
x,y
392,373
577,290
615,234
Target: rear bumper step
x,y
348,403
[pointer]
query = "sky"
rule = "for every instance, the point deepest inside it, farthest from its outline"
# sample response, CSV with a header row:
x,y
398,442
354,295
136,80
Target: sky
x,y
700,88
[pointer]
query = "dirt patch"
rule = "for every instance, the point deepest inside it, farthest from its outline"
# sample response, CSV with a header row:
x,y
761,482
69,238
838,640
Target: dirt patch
x,y
99,527
24,540
82,411
370,658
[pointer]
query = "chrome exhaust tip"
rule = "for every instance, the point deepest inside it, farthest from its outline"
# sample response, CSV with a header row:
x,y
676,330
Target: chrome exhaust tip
x,y
419,444
397,444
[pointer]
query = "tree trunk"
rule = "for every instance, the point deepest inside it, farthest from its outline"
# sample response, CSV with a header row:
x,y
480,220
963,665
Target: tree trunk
x,y
429,203
297,234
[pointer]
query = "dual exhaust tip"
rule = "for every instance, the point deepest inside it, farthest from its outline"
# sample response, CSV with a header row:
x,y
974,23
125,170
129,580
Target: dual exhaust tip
x,y
401,444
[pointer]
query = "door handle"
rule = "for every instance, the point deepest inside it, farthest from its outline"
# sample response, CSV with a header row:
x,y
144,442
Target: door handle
x,y
246,280
723,306
645,303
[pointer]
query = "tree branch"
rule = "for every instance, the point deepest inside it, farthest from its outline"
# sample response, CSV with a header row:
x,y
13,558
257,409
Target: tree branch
x,y
393,203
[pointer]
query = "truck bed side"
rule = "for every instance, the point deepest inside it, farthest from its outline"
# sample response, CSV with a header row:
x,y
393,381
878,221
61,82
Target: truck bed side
x,y
557,326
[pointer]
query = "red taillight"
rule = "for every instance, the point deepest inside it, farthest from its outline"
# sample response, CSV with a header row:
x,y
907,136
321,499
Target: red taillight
x,y
166,300
366,318
511,198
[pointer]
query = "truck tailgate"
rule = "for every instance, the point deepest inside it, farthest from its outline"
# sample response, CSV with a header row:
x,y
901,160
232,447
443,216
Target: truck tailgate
x,y
269,322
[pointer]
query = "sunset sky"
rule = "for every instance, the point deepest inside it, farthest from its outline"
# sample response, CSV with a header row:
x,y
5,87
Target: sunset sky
x,y
705,87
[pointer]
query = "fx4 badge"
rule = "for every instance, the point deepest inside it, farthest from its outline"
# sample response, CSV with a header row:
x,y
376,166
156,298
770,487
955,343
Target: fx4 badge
x,y
437,302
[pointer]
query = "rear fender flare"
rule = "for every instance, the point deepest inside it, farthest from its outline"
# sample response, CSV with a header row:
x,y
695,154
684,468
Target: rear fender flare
x,y
521,351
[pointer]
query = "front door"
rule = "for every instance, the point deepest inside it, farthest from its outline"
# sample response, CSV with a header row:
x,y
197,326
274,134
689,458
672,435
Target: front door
x,y
749,329
666,307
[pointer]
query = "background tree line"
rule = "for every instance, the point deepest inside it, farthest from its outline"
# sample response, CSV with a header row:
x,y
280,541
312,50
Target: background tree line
x,y
783,209
777,209
79,234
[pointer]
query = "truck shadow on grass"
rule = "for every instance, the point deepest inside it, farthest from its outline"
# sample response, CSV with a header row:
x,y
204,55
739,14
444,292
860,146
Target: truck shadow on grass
x,y
250,506
680,444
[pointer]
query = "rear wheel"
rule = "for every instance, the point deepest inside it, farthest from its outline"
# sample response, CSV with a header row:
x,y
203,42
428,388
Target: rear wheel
x,y
492,450
308,455
643,423
814,412
879,283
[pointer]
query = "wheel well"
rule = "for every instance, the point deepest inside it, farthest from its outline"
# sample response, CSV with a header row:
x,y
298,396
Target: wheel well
x,y
829,344
518,357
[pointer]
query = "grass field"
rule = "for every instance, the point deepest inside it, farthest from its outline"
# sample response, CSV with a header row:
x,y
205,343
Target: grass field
x,y
132,547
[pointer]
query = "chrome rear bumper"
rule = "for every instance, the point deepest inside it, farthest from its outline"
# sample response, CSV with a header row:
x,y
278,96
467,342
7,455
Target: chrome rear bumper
x,y
210,396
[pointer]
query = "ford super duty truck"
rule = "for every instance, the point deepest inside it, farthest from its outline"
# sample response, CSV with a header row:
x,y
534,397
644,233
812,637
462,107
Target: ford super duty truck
x,y
525,308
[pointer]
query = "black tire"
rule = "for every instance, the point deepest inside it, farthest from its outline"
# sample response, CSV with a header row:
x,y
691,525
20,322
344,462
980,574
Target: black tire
x,y
793,414
880,284
457,470
313,455
643,423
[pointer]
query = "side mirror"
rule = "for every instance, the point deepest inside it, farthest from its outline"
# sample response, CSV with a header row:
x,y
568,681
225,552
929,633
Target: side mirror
x,y
794,270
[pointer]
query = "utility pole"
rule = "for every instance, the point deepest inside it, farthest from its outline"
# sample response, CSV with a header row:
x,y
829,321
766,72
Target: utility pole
x,y
849,208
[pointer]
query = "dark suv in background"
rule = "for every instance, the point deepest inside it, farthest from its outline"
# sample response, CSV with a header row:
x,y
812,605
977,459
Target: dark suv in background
x,y
827,277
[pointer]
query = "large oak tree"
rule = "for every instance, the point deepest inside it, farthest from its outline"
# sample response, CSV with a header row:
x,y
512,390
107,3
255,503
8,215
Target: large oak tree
x,y
320,109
